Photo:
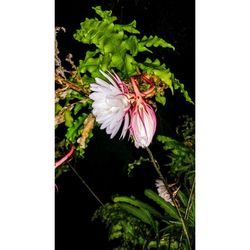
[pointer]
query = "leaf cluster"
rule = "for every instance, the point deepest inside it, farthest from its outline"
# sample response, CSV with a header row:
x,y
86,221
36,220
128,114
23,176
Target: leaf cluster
x,y
181,152
159,223
117,47
124,229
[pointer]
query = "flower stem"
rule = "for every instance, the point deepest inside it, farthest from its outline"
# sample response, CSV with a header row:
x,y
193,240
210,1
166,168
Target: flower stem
x,y
157,168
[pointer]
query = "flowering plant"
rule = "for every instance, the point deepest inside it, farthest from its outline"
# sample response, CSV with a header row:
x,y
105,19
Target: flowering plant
x,y
125,103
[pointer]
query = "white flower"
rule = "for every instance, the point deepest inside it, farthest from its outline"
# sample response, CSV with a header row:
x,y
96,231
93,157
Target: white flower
x,y
111,104
162,191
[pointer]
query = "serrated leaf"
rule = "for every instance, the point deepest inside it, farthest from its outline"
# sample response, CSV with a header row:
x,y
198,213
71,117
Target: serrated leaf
x,y
181,87
75,130
132,45
155,41
130,65
78,107
104,14
131,28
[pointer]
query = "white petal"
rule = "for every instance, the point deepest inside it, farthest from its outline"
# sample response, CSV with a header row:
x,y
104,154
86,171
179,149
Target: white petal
x,y
125,126
115,129
109,78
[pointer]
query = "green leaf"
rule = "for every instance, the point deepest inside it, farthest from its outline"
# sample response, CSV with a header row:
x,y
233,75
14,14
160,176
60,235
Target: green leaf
x,y
159,70
131,28
168,208
75,129
191,217
78,107
155,41
161,99
141,214
138,204
104,14
180,86
68,118
130,65
182,197
58,107
132,45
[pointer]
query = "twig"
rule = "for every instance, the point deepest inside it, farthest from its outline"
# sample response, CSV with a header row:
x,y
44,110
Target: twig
x,y
69,84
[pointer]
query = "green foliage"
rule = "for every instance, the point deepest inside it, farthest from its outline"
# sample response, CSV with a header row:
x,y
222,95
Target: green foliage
x,y
117,47
181,156
68,118
164,244
129,230
160,227
178,85
160,217
134,202
74,130
132,223
161,99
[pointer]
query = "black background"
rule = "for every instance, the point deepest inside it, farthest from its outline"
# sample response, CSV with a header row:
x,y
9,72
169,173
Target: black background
x,y
105,165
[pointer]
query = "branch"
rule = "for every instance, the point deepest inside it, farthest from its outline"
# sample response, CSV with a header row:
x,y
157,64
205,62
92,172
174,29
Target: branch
x,y
69,84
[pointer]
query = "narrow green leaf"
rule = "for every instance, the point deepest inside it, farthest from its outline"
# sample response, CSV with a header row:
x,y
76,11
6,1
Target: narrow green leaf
x,y
138,204
137,212
168,208
182,197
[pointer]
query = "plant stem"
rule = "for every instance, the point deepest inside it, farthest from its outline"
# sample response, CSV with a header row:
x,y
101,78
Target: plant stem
x,y
157,168
87,186
189,205
65,158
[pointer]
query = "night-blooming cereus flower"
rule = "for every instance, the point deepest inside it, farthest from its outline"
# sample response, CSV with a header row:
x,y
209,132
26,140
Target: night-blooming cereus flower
x,y
162,191
111,104
143,120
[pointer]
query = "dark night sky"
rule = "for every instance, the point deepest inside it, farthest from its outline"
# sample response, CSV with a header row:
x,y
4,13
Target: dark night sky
x,y
172,20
